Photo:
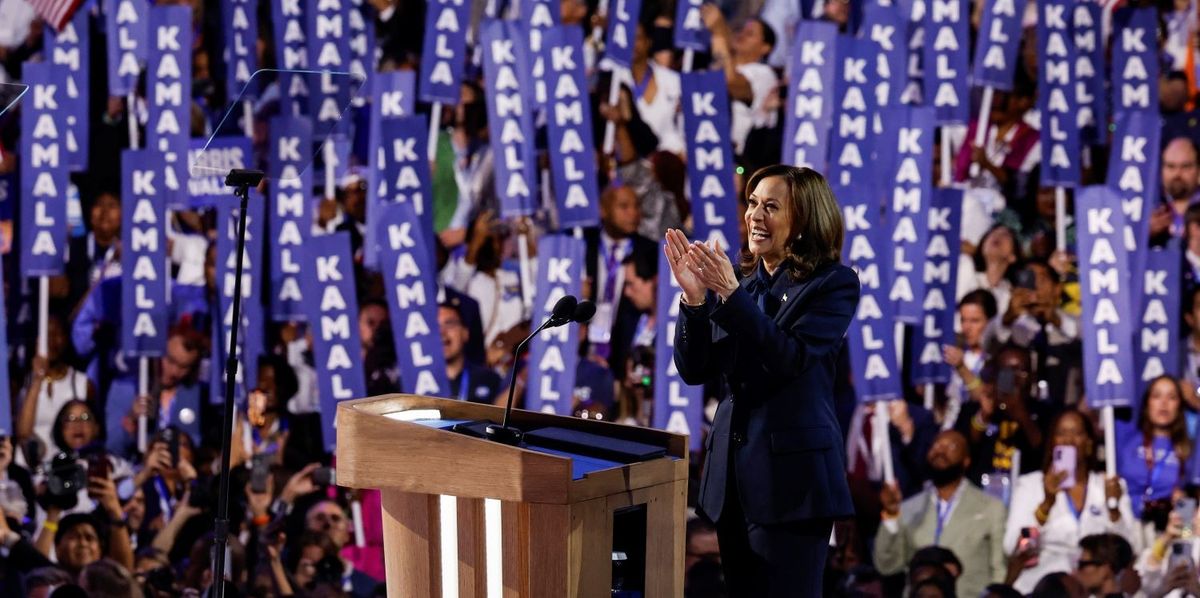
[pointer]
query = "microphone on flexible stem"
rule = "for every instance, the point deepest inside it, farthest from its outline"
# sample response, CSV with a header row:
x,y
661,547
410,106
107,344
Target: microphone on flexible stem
x,y
567,310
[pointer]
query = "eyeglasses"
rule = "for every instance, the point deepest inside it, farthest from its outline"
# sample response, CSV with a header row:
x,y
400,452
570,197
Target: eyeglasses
x,y
1083,563
82,417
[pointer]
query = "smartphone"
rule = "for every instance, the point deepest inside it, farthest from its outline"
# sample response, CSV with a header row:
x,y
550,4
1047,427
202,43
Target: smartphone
x,y
1186,507
98,466
1065,460
1006,381
324,476
1029,540
260,471
169,436
1181,554
1027,279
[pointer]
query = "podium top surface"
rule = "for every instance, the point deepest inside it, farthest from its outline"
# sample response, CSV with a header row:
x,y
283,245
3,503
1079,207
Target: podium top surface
x,y
404,441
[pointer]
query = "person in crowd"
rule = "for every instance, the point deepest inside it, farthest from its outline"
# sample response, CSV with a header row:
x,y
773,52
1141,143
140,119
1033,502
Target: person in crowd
x,y
996,254
83,539
93,257
640,277
166,478
656,93
106,578
21,557
742,57
76,434
1191,361
934,565
1180,186
468,308
1058,507
1005,424
474,169
778,335
950,513
1152,458
272,429
1103,560
176,399
1035,319
329,519
1167,566
469,381
481,275
975,313
42,581
606,251
1011,149
1191,248
52,383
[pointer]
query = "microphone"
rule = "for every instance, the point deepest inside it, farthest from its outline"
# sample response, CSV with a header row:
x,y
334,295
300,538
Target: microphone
x,y
584,312
568,309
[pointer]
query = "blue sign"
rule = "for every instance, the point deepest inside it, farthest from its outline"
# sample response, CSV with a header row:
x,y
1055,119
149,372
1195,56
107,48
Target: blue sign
x,y
997,43
328,50
910,130
554,353
393,96
678,406
364,51
690,32
853,139
290,183
810,99
706,123
536,18
209,167
1090,73
510,119
884,32
44,176
1133,176
444,54
127,26
143,254
941,277
169,79
291,53
1057,96
239,26
1107,319
947,43
569,130
622,31
412,301
69,49
1135,59
871,336
404,175
1156,341
332,308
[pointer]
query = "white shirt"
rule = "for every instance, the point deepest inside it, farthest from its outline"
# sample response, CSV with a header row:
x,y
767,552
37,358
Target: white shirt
x,y
499,296
662,114
51,397
1059,536
762,80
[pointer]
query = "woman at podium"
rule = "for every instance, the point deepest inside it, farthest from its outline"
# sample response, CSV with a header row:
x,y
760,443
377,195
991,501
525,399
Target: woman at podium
x,y
775,475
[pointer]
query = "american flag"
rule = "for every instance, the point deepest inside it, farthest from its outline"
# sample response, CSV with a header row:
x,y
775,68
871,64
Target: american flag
x,y
56,13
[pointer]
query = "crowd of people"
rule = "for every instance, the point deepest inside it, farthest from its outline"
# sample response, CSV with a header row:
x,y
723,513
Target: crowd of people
x,y
999,486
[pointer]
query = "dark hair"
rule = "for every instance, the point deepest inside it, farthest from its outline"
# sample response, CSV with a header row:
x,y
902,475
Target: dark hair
x,y
1192,214
980,263
645,263
60,422
1002,591
1041,263
1053,585
286,383
106,577
768,32
935,555
984,299
47,576
1178,428
815,218
74,520
1109,549
943,585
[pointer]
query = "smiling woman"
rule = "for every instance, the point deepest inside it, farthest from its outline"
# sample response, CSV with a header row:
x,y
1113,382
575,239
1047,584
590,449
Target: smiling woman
x,y
774,477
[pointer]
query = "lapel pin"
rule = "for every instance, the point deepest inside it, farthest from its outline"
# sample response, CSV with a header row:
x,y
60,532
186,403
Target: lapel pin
x,y
785,297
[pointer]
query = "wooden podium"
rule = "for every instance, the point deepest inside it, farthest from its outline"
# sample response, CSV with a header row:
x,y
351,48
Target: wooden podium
x,y
498,520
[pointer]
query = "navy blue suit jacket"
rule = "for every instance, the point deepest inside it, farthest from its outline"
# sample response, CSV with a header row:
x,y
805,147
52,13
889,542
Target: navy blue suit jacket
x,y
777,427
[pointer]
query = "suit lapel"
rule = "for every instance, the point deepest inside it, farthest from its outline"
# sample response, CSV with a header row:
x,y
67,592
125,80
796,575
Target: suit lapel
x,y
790,292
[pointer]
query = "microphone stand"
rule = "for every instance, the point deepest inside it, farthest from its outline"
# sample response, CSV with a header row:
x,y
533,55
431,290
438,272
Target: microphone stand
x,y
241,180
503,433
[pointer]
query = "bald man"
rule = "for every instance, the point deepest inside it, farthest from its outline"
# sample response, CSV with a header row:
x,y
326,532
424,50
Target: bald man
x,y
952,513
1180,182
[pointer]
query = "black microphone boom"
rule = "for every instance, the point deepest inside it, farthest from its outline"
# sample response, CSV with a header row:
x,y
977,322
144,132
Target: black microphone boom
x,y
568,309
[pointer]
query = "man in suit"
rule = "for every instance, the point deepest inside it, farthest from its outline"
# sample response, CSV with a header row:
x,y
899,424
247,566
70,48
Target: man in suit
x,y
606,250
951,513
469,380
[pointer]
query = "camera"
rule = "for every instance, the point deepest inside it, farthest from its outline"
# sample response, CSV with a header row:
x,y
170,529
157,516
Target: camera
x,y
64,479
324,476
